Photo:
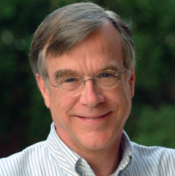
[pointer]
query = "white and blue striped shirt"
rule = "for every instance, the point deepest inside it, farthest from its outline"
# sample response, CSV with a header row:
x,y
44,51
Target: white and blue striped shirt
x,y
53,158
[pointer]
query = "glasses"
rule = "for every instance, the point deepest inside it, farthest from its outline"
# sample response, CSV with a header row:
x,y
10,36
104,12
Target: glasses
x,y
73,86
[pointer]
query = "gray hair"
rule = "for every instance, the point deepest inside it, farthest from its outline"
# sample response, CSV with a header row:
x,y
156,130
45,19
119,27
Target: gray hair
x,y
69,25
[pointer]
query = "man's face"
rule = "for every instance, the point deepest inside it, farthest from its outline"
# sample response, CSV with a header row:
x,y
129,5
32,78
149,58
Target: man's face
x,y
95,118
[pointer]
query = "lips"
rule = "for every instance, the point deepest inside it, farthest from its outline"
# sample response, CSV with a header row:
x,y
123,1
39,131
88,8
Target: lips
x,y
94,117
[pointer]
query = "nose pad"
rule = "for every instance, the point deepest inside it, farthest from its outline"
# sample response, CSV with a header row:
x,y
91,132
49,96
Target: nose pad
x,y
90,95
81,87
92,83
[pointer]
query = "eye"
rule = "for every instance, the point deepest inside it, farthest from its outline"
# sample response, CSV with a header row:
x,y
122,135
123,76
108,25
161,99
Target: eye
x,y
71,83
69,80
106,74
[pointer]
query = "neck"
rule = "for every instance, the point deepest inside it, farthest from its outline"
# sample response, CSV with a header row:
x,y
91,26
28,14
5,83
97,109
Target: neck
x,y
104,161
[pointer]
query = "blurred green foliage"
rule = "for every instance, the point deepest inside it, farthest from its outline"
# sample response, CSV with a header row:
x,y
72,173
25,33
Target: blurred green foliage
x,y
25,119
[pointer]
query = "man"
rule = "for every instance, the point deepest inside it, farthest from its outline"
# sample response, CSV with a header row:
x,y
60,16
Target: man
x,y
83,60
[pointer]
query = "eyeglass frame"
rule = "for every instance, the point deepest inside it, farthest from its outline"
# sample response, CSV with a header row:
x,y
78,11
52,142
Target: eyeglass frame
x,y
82,80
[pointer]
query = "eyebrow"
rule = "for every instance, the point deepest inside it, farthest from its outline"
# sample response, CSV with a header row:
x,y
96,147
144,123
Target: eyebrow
x,y
70,73
111,67
64,73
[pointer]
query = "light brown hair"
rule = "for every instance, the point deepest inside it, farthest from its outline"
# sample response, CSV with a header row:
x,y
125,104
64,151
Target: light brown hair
x,y
69,25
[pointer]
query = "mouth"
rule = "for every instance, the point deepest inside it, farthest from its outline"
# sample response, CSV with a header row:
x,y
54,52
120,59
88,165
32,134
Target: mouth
x,y
94,117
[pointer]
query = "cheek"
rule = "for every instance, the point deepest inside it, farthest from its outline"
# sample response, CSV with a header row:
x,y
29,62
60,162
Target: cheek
x,y
120,99
60,105
115,96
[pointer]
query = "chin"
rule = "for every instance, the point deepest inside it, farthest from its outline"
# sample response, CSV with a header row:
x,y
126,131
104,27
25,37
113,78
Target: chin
x,y
97,141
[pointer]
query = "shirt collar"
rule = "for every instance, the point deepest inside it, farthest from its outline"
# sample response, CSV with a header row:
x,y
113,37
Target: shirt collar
x,y
61,152
69,159
126,153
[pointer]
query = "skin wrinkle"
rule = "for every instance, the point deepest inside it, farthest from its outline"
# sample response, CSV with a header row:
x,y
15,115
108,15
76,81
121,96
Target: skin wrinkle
x,y
52,56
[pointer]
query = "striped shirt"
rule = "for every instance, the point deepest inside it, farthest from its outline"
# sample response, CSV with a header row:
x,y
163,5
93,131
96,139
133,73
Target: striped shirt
x,y
53,158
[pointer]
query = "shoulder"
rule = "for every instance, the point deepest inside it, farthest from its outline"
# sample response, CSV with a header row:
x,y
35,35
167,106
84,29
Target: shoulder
x,y
157,160
17,163
155,152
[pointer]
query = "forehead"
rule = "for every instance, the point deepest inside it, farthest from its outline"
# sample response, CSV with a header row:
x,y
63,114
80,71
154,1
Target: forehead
x,y
100,48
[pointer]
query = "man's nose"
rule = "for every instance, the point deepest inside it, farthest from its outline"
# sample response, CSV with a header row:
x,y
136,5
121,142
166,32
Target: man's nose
x,y
90,96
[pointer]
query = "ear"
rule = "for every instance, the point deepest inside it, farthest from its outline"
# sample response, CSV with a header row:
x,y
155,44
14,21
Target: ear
x,y
44,91
132,81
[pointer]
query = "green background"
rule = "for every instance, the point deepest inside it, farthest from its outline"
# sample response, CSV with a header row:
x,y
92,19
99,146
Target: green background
x,y
24,119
